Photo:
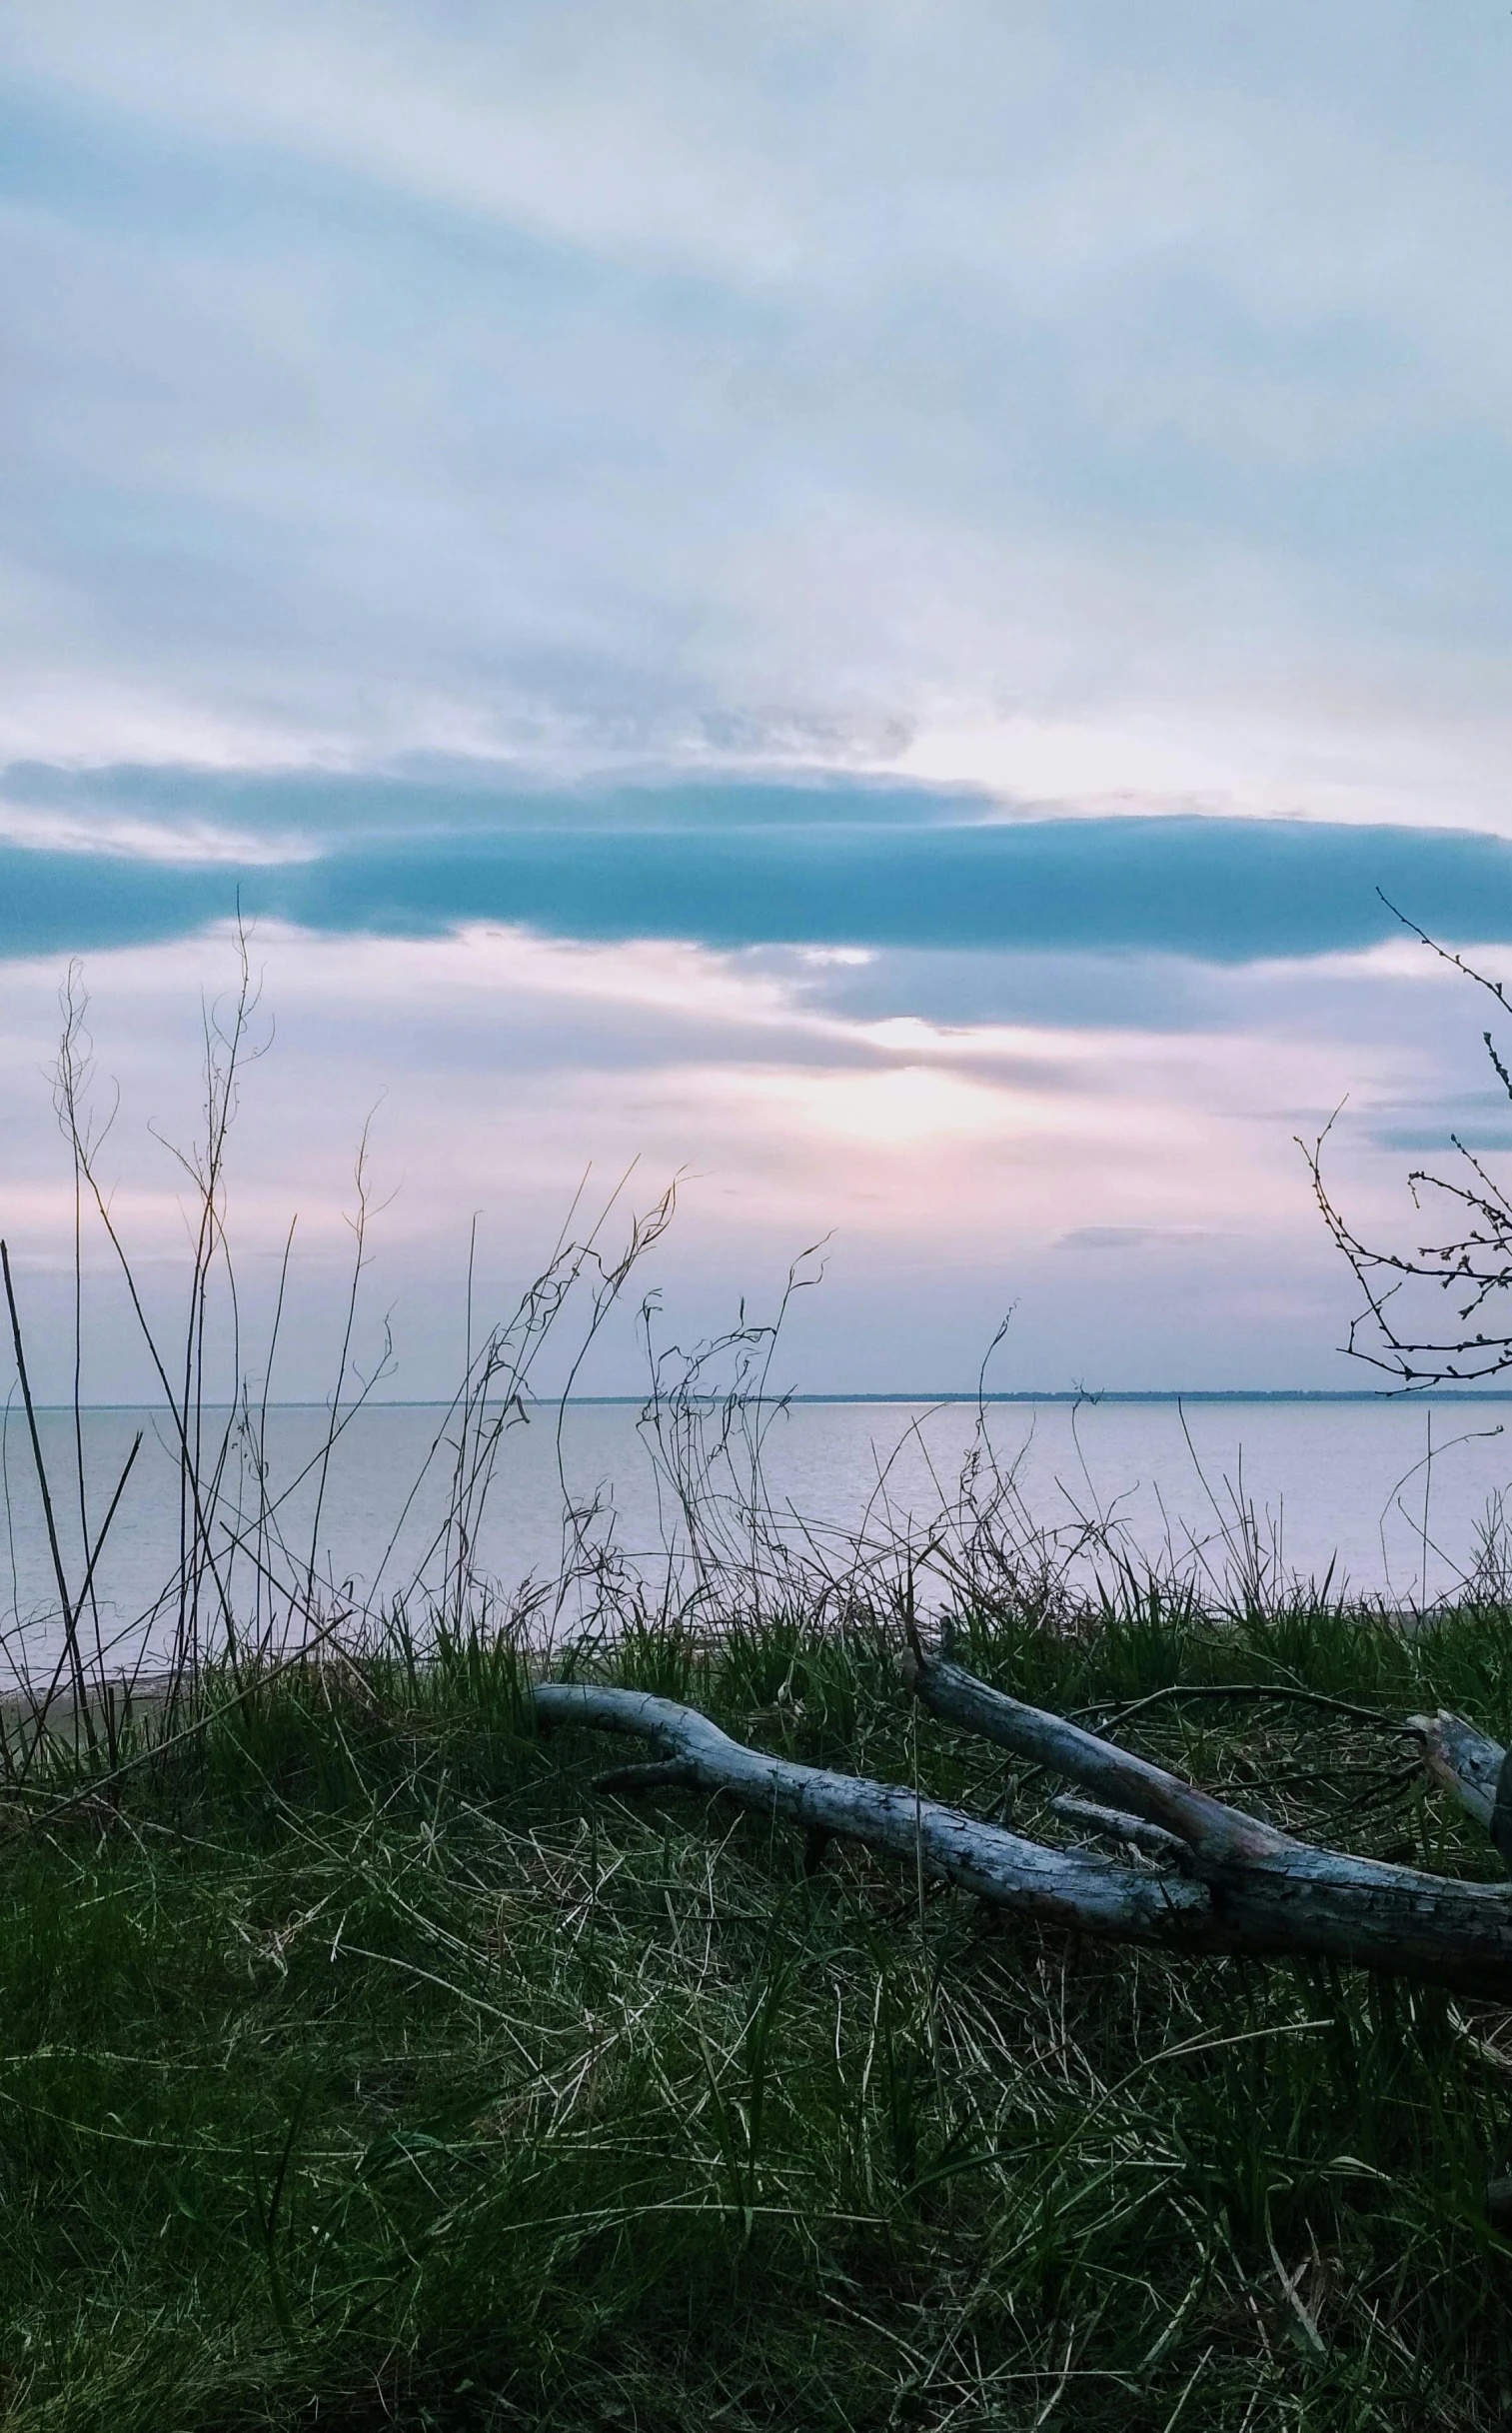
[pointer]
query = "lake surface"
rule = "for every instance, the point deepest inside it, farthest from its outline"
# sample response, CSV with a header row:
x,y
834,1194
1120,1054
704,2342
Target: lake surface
x,y
1397,1496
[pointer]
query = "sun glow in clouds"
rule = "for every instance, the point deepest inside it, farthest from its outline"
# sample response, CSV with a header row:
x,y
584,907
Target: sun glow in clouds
x,y
978,1152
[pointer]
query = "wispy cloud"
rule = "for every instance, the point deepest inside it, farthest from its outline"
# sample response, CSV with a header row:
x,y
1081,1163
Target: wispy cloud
x,y
191,844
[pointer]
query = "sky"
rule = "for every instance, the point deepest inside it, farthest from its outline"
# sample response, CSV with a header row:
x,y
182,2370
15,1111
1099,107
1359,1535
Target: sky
x,y
857,601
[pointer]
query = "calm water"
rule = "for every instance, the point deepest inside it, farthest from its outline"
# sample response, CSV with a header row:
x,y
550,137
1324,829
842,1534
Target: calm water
x,y
1348,1483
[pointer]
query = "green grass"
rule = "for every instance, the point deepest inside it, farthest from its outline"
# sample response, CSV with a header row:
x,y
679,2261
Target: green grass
x,y
369,2070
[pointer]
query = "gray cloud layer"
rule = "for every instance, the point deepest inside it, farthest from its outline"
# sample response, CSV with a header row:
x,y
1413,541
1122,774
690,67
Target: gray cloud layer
x,y
849,866
1095,399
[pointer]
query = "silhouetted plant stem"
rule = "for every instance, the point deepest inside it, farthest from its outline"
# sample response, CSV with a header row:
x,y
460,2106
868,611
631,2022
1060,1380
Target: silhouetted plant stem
x,y
70,1623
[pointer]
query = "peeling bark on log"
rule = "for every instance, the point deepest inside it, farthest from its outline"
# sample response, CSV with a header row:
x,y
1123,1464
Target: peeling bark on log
x,y
1229,1882
1462,1760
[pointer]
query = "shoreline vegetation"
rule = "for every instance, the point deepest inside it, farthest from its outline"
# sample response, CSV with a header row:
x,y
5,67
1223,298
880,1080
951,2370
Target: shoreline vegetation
x,y
370,2059
371,2056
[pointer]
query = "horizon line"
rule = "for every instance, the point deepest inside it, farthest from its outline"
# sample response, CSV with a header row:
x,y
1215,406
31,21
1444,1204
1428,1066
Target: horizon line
x,y
954,1397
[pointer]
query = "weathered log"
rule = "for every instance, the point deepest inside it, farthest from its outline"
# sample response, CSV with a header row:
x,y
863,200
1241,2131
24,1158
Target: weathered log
x,y
1235,1884
1271,1892
1064,1887
1221,1836
1478,1770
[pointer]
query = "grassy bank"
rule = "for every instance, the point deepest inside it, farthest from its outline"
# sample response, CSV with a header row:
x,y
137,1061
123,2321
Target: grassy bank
x,y
361,2065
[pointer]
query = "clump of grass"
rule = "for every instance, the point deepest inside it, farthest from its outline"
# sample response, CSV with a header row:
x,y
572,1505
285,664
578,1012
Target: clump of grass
x,y
361,2065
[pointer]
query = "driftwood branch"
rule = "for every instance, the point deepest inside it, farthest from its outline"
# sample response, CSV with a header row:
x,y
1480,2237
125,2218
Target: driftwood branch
x,y
1220,1835
1212,1879
1063,1887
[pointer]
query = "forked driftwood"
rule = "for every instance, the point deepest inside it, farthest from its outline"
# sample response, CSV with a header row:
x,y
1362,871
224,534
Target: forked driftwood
x,y
1204,1876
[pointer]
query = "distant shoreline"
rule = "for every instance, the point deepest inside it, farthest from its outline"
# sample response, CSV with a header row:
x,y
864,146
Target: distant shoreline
x,y
1304,1395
